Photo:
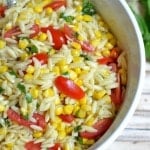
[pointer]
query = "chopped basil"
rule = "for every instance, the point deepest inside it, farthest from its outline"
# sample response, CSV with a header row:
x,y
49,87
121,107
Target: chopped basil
x,y
67,18
21,87
88,8
32,49
13,73
77,128
86,57
65,73
1,90
79,140
28,97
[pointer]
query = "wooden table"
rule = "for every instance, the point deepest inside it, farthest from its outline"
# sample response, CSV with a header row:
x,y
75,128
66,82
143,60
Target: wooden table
x,y
136,136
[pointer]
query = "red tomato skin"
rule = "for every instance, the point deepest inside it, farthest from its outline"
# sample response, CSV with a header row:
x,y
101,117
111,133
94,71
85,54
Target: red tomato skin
x,y
57,146
116,93
114,52
12,32
36,30
56,4
101,126
32,146
57,35
2,10
105,60
67,118
69,88
42,57
86,46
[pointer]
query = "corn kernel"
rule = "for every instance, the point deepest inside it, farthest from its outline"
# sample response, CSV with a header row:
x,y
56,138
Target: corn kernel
x,y
3,69
57,120
79,82
75,52
37,21
83,101
3,131
79,8
98,53
106,53
48,93
90,122
98,34
37,134
68,109
49,11
86,107
78,59
10,146
61,127
57,102
76,28
23,111
95,42
87,18
8,26
34,92
77,148
23,43
21,17
80,38
30,69
59,110
2,44
109,45
72,74
109,36
56,70
76,109
51,51
76,45
64,68
107,99
66,146
81,113
69,130
38,9
24,56
88,141
77,70
62,135
2,108
79,17
99,94
28,77
62,62
45,2
42,37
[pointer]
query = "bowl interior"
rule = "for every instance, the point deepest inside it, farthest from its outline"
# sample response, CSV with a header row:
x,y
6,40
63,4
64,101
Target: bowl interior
x,y
118,16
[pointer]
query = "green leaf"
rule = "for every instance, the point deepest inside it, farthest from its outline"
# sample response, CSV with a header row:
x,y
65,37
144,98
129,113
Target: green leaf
x,y
67,18
1,90
28,97
77,128
21,87
86,57
13,73
32,49
79,140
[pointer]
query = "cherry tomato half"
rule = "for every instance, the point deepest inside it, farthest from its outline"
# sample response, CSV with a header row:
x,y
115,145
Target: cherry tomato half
x,y
12,32
36,30
101,126
56,4
69,88
32,146
105,60
67,118
42,57
57,146
2,10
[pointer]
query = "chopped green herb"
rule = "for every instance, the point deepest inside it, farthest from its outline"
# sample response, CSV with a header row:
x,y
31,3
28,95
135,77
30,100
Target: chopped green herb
x,y
1,90
26,117
21,87
88,8
28,97
67,18
79,140
32,49
65,73
37,105
13,73
22,38
86,57
7,123
77,128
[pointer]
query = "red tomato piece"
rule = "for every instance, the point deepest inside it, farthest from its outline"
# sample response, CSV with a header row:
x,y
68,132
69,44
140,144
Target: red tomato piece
x,y
14,116
32,146
42,57
57,146
36,30
101,126
57,36
114,52
40,120
105,60
86,46
2,10
69,33
116,93
67,118
12,32
56,4
69,88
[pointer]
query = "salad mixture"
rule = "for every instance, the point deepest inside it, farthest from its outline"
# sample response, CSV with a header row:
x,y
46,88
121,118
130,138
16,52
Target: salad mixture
x,y
62,75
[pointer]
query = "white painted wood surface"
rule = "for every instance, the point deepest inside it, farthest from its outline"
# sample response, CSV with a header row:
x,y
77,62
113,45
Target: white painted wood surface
x,y
136,136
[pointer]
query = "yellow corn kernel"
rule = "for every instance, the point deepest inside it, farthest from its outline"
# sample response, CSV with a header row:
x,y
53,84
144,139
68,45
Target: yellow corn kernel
x,y
88,141
98,34
95,42
77,147
77,70
109,45
78,59
2,108
66,146
69,130
23,111
79,17
37,134
24,56
62,62
2,44
10,146
107,99
44,71
109,36
37,21
59,110
34,92
30,69
21,17
3,131
57,120
49,11
28,77
48,93
106,53
8,26
42,37
57,101
79,82
86,107
90,122
79,8
76,45
52,51
61,126
99,94
81,113
83,101
23,43
98,53
80,38
56,70
76,28
68,109
87,18
76,109
72,74
45,2
75,52
62,135
3,69
38,9
64,68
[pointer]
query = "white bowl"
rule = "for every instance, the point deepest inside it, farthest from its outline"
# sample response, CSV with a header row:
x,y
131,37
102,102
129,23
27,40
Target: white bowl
x,y
123,24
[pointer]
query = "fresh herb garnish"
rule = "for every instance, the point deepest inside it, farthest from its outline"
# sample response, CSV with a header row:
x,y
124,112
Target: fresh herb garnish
x,y
79,140
32,49
1,90
67,18
26,117
88,8
65,73
86,57
21,87
77,128
7,123
28,97
12,72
